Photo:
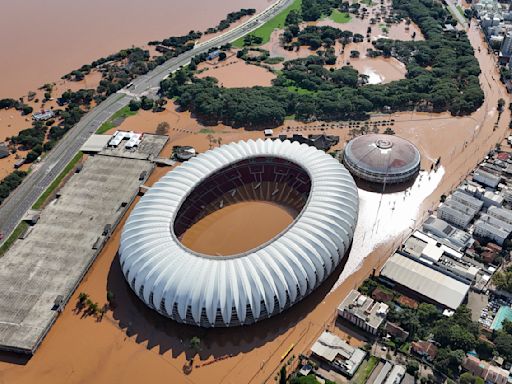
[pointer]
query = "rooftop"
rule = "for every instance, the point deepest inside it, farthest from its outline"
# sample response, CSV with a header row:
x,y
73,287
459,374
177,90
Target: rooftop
x,y
426,281
364,307
333,349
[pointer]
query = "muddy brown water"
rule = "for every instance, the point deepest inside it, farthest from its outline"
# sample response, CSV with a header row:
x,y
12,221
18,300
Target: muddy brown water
x,y
237,228
43,40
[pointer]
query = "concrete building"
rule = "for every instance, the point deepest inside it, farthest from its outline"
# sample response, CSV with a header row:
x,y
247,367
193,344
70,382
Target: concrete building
x,y
491,228
456,213
486,178
418,279
338,354
447,234
467,200
39,273
492,199
363,311
396,375
502,214
425,249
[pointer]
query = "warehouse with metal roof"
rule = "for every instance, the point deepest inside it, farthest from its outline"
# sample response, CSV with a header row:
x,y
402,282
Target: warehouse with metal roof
x,y
428,283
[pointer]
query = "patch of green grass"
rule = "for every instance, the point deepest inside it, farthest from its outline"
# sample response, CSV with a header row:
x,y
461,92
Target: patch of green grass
x,y
266,29
365,370
22,227
289,117
300,91
44,196
123,113
340,17
405,347
461,10
367,2
207,131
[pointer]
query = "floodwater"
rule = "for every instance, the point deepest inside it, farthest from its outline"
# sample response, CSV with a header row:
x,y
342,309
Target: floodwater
x,y
43,40
234,73
237,228
12,122
133,344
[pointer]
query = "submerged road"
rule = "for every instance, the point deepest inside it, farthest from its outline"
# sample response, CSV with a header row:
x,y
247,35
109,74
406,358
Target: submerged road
x,y
42,175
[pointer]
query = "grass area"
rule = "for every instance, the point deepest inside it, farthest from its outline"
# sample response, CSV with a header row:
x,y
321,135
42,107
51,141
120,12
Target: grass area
x,y
340,17
276,22
44,196
405,347
365,370
300,91
207,131
461,10
367,2
22,227
289,117
123,113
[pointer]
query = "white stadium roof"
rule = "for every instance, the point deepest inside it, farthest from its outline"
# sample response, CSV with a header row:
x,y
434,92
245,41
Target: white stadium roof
x,y
426,281
238,289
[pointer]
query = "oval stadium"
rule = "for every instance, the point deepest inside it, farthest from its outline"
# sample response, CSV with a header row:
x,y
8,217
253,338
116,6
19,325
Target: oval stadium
x,y
382,159
223,289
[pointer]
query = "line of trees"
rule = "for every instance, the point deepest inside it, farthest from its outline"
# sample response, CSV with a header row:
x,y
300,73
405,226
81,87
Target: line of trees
x,y
442,76
231,17
9,183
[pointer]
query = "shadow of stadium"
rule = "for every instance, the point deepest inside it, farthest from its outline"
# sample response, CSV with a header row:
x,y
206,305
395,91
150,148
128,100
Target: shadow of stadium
x,y
136,319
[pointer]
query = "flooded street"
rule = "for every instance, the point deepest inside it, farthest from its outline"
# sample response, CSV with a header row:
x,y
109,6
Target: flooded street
x,y
237,228
44,40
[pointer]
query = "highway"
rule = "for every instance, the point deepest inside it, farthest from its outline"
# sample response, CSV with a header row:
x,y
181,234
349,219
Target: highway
x,y
42,175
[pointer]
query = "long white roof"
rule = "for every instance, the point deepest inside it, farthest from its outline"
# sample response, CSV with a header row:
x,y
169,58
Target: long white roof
x,y
426,281
166,275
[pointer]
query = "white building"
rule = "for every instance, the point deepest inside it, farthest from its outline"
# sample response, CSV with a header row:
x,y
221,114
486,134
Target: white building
x,y
492,228
363,311
456,213
340,355
486,178
467,200
501,214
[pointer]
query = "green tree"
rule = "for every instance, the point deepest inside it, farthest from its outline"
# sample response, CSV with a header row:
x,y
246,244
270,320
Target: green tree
x,y
134,105
412,367
195,343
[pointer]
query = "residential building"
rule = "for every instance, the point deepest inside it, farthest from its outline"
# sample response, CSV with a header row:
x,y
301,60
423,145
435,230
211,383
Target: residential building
x,y
491,198
396,375
486,178
447,234
456,213
491,228
425,349
363,311
467,200
396,332
502,214
338,354
490,373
